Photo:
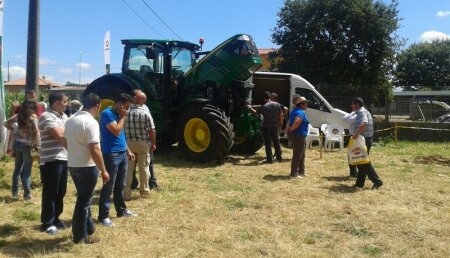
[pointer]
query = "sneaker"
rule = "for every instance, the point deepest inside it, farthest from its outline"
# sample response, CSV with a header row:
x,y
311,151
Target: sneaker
x,y
376,186
357,187
15,196
91,240
60,225
267,162
155,187
52,230
27,198
107,222
128,214
299,176
88,240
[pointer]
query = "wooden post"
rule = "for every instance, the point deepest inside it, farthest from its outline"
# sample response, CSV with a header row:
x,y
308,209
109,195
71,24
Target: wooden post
x,y
395,133
32,76
321,144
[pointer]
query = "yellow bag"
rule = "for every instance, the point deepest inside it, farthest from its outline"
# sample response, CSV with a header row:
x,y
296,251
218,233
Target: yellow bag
x,y
357,151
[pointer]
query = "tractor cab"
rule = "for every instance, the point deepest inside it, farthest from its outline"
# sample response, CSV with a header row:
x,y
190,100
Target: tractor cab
x,y
157,65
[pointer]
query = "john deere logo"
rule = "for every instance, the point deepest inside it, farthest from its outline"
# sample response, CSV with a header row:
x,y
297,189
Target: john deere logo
x,y
356,151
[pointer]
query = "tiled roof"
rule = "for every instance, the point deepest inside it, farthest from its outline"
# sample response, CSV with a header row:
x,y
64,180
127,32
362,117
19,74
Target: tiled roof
x,y
265,51
42,82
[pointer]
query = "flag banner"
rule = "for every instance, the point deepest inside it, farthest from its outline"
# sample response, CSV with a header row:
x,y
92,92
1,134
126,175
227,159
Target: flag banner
x,y
2,86
107,55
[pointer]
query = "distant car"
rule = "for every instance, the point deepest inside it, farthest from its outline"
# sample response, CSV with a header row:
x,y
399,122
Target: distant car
x,y
442,119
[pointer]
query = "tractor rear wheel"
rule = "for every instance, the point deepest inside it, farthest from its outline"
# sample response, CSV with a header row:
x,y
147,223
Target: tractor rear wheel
x,y
248,145
205,133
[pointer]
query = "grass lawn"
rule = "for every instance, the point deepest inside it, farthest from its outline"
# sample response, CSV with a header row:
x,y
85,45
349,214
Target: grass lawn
x,y
245,209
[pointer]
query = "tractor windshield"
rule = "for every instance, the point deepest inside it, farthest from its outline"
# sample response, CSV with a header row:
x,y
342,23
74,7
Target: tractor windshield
x,y
182,60
138,61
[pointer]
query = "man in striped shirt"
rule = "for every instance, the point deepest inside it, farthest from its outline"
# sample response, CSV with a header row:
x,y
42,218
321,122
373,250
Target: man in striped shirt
x,y
140,135
53,162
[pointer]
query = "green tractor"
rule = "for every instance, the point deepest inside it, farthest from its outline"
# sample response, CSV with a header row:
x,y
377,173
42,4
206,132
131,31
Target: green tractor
x,y
196,98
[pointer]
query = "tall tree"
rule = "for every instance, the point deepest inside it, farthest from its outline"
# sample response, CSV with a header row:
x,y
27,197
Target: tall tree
x,y
424,65
339,42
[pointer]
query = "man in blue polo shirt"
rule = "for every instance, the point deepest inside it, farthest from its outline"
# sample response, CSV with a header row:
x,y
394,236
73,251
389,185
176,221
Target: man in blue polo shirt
x,y
115,156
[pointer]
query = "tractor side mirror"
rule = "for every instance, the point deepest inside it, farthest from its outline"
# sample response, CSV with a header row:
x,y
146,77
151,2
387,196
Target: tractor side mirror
x,y
150,53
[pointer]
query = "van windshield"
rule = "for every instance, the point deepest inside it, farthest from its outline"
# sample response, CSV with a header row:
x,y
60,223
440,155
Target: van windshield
x,y
315,100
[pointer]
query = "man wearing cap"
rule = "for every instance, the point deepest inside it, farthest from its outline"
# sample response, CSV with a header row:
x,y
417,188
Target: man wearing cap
x,y
298,129
361,123
272,117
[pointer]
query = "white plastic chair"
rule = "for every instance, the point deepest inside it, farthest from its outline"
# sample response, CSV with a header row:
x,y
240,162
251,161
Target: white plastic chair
x,y
313,135
334,134
323,128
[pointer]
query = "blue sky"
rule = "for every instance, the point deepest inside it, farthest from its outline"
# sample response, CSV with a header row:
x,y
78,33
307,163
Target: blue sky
x,y
69,27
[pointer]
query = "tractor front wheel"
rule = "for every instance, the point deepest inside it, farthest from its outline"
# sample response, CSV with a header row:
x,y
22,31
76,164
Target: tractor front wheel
x,y
248,145
205,133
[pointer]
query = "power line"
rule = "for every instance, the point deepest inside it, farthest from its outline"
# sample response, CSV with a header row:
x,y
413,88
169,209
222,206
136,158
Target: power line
x,y
142,19
161,19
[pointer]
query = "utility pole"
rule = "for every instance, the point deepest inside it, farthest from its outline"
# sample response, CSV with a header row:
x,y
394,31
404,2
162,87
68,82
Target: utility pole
x,y
32,77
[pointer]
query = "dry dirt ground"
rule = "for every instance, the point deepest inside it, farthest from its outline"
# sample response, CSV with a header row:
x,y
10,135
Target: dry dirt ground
x,y
245,209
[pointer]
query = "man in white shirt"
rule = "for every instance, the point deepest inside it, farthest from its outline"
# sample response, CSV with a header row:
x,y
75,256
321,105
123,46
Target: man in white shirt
x,y
85,159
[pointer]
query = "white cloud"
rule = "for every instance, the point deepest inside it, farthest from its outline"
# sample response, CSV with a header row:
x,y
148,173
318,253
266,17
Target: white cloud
x,y
429,36
18,56
46,61
443,13
15,72
84,66
65,70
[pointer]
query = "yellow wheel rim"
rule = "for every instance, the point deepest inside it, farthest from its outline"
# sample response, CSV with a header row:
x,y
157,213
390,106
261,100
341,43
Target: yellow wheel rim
x,y
104,103
197,135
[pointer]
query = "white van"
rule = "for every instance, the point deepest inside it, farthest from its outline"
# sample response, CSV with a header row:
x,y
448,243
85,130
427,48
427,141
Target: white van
x,y
286,85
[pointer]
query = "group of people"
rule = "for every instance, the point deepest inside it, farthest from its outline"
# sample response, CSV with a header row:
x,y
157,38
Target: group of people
x,y
360,123
127,134
128,137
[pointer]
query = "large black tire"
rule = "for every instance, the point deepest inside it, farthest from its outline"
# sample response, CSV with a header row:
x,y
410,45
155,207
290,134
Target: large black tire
x,y
250,145
205,133
108,87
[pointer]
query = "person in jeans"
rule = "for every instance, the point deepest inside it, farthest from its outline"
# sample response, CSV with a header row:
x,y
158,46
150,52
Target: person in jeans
x,y
24,127
298,130
53,162
361,123
115,155
82,134
140,135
